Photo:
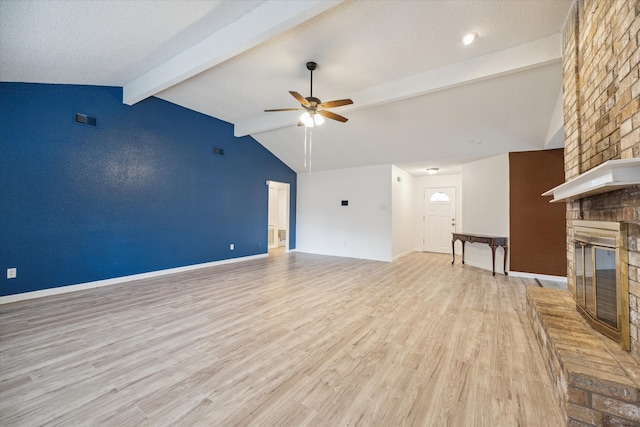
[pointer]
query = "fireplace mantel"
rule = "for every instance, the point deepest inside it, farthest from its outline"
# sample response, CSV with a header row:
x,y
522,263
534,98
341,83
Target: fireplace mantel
x,y
609,176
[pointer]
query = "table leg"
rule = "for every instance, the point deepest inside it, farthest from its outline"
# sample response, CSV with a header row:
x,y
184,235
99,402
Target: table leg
x,y
453,250
504,268
493,259
463,251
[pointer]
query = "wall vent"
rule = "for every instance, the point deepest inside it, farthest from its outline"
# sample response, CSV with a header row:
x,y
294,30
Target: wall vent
x,y
86,120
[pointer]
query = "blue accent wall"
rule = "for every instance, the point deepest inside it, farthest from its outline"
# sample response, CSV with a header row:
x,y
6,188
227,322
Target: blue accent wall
x,y
140,192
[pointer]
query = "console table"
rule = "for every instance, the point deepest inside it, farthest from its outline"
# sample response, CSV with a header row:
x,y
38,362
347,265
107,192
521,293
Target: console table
x,y
492,241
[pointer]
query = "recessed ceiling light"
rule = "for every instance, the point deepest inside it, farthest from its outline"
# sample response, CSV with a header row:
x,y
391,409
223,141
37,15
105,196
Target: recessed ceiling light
x,y
432,171
469,38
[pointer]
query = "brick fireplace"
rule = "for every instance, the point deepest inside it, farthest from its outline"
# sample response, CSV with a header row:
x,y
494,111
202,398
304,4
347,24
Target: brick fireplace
x,y
597,382
601,97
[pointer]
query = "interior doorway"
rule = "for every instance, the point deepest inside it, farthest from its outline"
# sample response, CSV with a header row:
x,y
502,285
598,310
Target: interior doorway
x,y
278,217
439,219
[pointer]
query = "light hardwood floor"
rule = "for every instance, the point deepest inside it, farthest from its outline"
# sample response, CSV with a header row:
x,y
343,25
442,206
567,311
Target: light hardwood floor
x,y
288,340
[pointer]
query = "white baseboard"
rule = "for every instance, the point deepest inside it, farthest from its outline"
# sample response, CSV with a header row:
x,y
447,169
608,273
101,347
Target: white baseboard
x,y
116,280
562,279
410,251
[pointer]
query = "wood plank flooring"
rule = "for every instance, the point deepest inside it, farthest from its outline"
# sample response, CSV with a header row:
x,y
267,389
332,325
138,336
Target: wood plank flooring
x,y
289,340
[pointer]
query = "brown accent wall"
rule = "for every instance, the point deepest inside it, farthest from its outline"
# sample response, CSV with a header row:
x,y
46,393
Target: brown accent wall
x,y
601,97
537,230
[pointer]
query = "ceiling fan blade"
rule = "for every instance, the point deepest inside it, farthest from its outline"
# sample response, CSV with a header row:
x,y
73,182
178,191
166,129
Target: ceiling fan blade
x,y
333,116
300,98
336,103
283,109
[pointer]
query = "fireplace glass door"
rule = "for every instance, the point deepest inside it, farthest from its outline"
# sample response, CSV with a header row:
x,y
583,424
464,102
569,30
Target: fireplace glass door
x,y
605,270
584,276
596,282
601,290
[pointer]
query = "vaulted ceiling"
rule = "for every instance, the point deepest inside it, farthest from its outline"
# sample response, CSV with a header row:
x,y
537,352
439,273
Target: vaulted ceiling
x,y
421,98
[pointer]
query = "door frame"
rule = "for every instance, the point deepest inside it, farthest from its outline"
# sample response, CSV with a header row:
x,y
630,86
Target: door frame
x,y
287,188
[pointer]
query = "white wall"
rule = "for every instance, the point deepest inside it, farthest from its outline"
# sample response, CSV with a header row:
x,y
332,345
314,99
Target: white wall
x,y
485,184
384,218
360,230
555,132
402,216
433,181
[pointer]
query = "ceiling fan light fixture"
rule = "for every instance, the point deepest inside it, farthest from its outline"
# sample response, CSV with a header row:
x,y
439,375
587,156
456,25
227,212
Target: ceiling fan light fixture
x,y
311,119
306,119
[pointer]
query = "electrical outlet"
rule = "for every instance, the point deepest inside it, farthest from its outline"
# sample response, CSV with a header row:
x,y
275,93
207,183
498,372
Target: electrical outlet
x,y
232,247
12,273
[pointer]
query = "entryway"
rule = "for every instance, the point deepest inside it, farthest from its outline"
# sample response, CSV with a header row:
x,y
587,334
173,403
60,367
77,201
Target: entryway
x,y
278,217
439,219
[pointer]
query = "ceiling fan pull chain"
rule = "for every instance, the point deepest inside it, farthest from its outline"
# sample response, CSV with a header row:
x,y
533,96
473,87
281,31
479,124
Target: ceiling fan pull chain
x,y
310,140
305,146
310,143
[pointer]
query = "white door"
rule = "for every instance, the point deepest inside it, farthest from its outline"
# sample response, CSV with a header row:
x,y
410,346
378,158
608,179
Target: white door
x,y
439,219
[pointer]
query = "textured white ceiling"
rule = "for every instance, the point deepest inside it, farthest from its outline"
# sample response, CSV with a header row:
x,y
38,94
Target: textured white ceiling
x,y
421,97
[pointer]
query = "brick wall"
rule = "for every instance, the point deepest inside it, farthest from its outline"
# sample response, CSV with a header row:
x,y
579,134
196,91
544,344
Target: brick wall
x,y
601,94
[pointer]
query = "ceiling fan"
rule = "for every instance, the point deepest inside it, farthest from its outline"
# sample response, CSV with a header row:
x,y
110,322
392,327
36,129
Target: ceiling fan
x,y
315,109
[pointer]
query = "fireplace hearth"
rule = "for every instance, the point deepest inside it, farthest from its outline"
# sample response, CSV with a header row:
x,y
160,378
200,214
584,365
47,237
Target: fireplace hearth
x,y
596,382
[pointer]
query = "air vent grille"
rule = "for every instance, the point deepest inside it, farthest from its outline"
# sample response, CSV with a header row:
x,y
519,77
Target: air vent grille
x,y
86,120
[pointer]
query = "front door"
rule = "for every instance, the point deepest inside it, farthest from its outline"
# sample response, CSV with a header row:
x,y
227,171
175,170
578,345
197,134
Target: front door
x,y
439,219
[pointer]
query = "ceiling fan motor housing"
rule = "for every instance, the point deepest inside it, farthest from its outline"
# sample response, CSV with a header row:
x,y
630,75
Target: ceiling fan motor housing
x,y
313,100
